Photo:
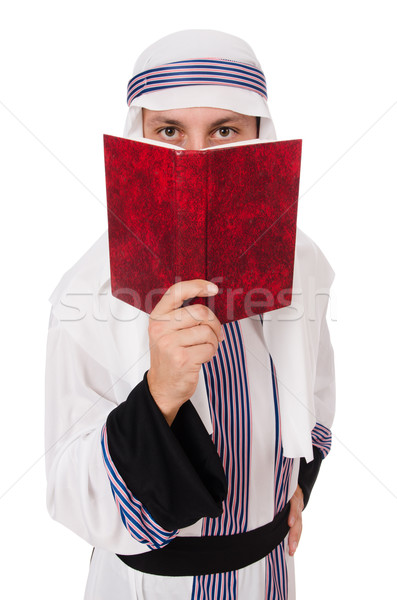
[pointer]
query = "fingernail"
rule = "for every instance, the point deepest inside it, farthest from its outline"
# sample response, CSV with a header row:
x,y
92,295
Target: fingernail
x,y
212,288
294,546
292,522
221,336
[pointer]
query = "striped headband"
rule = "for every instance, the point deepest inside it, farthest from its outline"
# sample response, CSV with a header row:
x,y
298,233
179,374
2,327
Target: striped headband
x,y
202,71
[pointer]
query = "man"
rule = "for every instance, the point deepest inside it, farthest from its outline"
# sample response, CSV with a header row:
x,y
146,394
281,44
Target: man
x,y
182,450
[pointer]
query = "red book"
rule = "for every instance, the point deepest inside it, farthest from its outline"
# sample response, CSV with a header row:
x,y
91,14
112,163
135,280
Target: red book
x,y
226,214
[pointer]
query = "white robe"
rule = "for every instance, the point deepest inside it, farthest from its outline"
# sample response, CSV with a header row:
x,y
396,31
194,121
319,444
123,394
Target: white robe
x,y
98,351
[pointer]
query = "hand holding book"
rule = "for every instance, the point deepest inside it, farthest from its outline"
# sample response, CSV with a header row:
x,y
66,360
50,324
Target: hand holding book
x,y
181,339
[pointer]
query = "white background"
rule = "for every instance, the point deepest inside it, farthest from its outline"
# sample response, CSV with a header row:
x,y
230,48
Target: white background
x,y
331,79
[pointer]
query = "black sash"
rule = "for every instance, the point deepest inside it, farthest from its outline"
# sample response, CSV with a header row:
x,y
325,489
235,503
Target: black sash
x,y
212,554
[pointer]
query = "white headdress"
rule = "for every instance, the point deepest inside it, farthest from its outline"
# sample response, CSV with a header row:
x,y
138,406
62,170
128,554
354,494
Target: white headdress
x,y
194,68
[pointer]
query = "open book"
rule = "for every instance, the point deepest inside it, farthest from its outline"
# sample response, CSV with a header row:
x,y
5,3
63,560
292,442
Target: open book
x,y
226,214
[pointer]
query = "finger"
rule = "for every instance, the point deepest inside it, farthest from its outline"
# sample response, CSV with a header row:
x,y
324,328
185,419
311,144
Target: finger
x,y
296,506
200,354
186,318
193,336
294,513
196,314
174,297
295,520
294,536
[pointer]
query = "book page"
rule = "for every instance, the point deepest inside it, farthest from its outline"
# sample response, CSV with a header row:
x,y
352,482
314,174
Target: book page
x,y
217,147
155,143
240,143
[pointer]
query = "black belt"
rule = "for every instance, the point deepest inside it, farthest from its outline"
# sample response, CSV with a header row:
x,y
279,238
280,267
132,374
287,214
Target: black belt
x,y
212,554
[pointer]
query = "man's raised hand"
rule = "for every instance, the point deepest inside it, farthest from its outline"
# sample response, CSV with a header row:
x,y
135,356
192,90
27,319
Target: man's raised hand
x,y
181,340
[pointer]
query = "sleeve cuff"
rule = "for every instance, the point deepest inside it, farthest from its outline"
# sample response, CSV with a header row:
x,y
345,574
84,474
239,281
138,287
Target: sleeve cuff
x,y
136,519
322,439
308,472
175,472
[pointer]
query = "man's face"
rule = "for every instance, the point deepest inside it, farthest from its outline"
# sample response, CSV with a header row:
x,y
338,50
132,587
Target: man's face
x,y
196,128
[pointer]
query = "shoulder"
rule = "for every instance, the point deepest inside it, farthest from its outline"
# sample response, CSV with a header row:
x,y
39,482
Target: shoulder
x,y
88,274
111,332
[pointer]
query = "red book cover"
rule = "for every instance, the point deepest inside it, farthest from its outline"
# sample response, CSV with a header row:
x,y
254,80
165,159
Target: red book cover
x,y
225,214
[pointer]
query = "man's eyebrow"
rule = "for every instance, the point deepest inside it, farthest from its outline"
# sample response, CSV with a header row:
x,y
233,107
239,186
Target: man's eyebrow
x,y
230,119
163,120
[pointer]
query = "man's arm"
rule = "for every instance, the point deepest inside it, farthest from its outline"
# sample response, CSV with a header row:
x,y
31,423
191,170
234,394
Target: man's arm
x,y
324,400
81,396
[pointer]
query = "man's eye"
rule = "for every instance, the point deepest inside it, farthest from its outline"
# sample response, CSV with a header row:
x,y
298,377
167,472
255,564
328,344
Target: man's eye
x,y
169,131
224,131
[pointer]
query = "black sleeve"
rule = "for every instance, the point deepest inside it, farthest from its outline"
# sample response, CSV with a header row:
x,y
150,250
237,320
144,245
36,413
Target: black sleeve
x,y
175,472
308,473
